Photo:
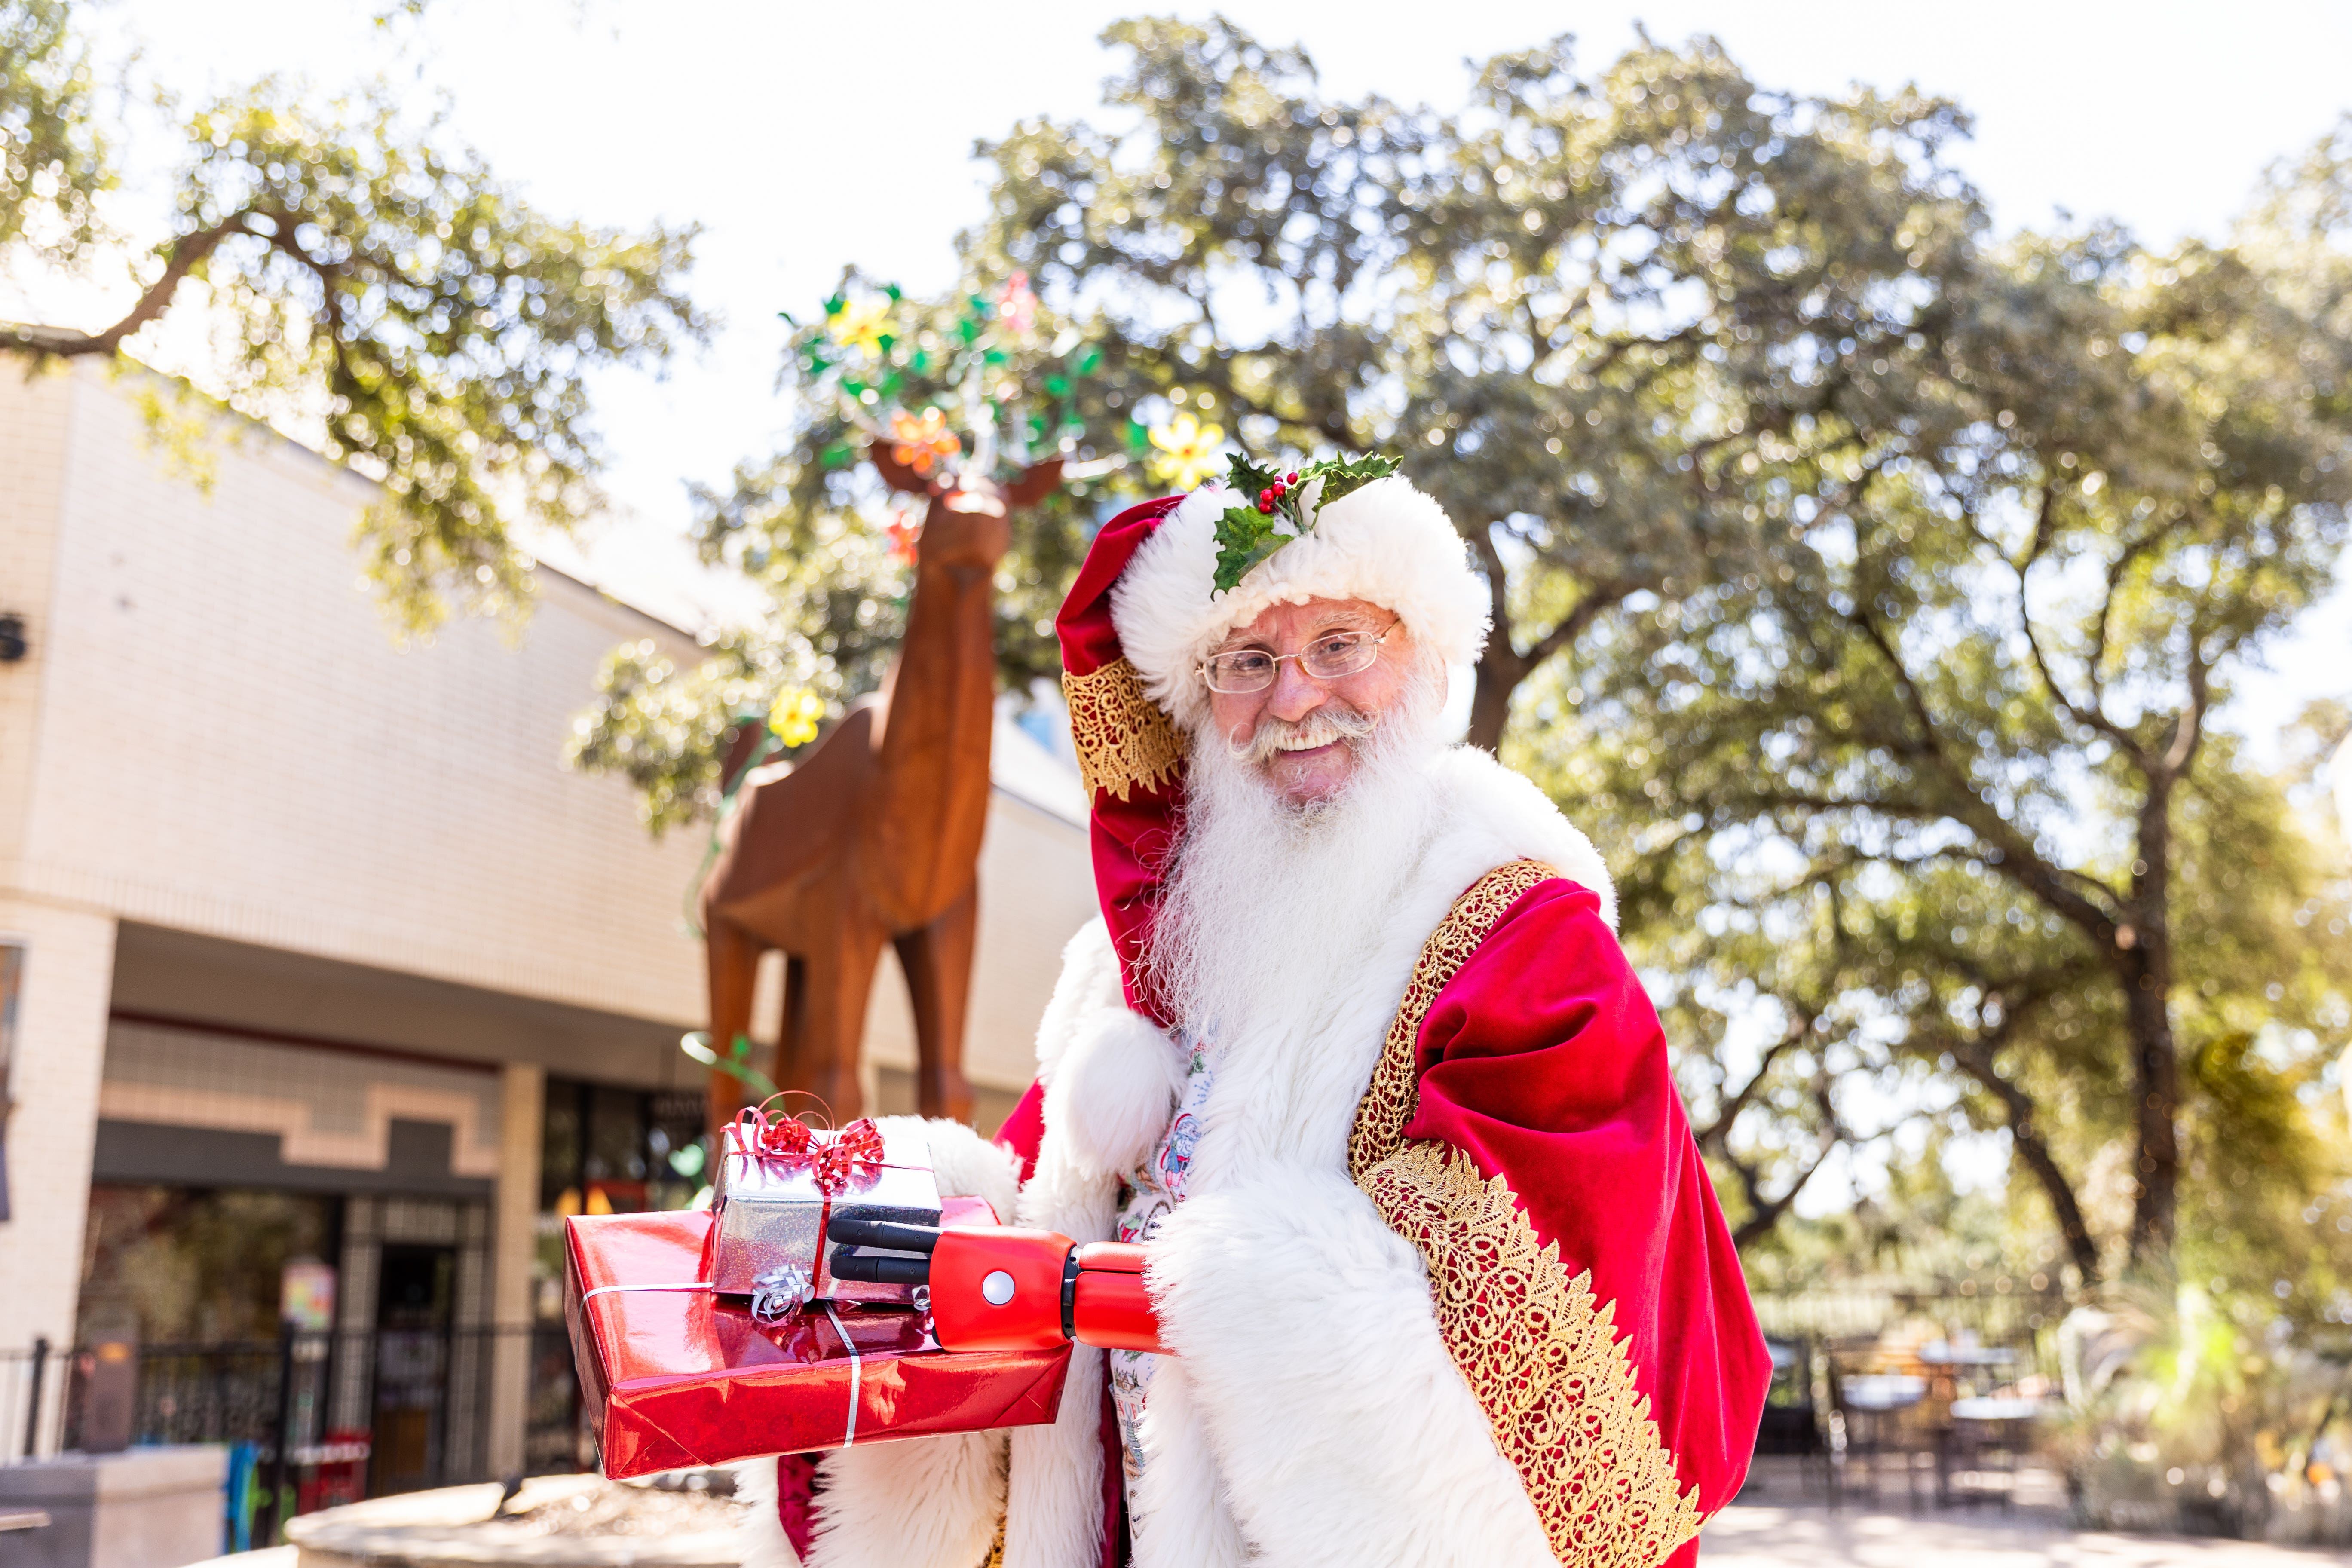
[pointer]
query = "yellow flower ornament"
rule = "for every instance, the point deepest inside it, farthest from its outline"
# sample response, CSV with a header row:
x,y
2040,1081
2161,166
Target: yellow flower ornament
x,y
794,718
1188,451
863,324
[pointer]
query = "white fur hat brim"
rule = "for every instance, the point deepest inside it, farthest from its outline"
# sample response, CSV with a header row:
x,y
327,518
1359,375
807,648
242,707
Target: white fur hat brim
x,y
1386,544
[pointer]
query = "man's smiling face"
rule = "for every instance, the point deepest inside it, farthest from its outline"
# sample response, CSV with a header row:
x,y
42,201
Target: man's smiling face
x,y
1303,732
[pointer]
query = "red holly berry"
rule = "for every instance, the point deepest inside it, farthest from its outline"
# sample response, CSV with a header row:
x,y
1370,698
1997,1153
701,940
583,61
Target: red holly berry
x,y
1266,506
1290,478
1280,489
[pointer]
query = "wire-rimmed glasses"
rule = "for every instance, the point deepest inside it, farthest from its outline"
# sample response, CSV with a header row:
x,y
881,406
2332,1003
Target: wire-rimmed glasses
x,y
1334,656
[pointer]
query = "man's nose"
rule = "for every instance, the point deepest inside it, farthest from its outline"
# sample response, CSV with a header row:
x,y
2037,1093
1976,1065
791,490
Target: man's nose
x,y
1296,693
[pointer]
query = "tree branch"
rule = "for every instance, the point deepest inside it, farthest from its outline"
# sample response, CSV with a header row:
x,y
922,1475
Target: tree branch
x,y
188,252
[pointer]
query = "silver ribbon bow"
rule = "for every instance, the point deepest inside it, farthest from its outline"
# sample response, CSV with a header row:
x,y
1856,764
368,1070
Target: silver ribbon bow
x,y
780,1292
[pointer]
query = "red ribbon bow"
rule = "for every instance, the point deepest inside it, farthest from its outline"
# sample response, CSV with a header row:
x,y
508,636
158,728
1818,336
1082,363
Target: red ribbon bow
x,y
856,1150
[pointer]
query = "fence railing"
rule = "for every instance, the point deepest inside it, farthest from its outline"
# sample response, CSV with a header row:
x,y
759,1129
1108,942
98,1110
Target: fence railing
x,y
2020,1318
312,1419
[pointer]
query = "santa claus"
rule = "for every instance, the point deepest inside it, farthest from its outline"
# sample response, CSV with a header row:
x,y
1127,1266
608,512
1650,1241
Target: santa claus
x,y
1354,1052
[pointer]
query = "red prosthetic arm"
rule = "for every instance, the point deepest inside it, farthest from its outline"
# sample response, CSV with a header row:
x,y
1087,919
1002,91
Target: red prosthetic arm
x,y
1006,1289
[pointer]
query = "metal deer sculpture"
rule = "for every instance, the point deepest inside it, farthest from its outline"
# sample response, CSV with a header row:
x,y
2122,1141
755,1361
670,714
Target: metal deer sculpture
x,y
874,836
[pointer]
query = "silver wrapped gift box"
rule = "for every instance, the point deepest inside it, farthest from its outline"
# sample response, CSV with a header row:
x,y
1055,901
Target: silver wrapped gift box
x,y
770,1213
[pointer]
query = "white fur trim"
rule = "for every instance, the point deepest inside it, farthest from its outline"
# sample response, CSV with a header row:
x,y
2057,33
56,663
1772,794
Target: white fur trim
x,y
1499,815
760,1539
1088,985
1114,1091
1386,544
1340,1428
965,1165
920,1503
1180,1518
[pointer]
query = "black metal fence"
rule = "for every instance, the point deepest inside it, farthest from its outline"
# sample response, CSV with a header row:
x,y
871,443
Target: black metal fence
x,y
314,1419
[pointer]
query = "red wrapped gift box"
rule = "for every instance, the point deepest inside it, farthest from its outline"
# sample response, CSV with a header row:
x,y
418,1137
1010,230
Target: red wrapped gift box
x,y
680,1377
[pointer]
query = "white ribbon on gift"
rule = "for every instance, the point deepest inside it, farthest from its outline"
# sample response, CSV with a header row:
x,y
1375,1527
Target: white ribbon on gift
x,y
849,1433
608,1289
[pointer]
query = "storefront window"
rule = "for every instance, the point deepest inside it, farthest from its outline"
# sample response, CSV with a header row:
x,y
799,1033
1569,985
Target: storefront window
x,y
190,1265
612,1151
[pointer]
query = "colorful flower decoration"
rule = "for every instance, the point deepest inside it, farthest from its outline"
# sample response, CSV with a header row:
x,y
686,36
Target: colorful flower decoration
x,y
904,529
1016,307
920,442
863,324
1188,451
794,718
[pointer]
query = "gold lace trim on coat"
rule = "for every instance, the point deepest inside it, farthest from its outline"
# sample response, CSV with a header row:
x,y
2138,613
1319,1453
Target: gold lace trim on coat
x,y
1124,740
1395,1089
1540,1352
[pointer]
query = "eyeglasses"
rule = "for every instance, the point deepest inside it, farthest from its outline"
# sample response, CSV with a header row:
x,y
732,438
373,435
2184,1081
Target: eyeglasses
x,y
1331,657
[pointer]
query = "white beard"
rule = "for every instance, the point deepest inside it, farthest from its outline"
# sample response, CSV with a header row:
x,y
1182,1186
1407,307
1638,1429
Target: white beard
x,y
1265,891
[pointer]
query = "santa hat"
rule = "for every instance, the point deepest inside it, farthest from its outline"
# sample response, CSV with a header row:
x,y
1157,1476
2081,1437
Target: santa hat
x,y
1145,612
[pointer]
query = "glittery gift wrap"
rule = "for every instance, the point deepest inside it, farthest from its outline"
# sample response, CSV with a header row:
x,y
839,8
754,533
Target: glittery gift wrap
x,y
681,1377
771,1210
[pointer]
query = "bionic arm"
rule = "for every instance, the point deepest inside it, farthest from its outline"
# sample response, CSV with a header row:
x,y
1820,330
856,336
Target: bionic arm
x,y
1006,1289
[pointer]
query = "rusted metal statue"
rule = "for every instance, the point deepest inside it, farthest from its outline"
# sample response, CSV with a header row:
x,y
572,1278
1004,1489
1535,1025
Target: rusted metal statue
x,y
874,836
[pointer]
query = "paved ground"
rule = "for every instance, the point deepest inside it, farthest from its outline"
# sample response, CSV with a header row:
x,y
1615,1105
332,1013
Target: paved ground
x,y
1810,1536
1783,1521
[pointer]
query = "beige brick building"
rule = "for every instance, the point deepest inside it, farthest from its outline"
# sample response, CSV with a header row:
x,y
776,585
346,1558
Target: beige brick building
x,y
320,942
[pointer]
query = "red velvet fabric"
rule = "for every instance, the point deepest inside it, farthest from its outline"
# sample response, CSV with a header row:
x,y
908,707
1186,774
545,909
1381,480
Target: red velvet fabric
x,y
1543,1060
1024,1129
1132,837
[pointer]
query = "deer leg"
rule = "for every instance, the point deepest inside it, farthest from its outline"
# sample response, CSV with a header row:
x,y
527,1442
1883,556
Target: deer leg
x,y
792,1029
840,977
733,956
938,963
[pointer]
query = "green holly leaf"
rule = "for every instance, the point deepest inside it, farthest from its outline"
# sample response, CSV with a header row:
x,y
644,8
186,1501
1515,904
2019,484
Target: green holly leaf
x,y
1344,475
1247,478
1246,536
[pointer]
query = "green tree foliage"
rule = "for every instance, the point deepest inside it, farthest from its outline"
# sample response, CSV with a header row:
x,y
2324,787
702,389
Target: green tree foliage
x,y
1945,775
55,162
367,280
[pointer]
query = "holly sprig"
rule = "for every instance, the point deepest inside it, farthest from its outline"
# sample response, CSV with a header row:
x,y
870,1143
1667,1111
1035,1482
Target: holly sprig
x,y
1286,505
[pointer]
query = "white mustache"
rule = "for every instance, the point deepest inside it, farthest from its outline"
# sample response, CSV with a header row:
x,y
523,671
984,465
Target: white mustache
x,y
1332,722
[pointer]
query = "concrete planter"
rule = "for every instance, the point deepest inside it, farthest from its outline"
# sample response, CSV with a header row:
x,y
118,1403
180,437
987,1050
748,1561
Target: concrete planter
x,y
142,1508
